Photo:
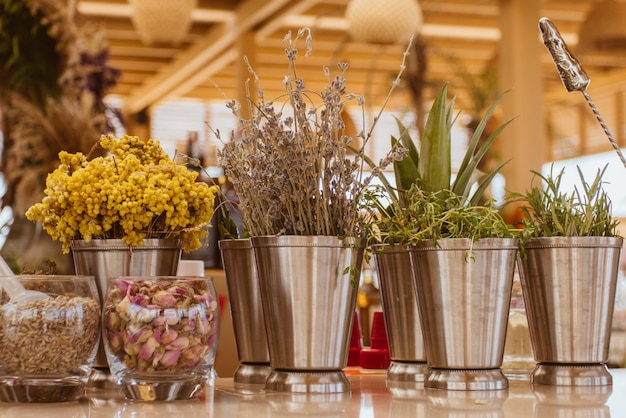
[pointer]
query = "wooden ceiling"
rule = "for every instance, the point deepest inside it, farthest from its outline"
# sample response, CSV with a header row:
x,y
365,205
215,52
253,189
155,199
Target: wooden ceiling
x,y
461,38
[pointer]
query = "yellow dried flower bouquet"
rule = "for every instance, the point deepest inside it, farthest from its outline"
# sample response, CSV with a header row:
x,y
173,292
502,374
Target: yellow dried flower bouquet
x,y
134,191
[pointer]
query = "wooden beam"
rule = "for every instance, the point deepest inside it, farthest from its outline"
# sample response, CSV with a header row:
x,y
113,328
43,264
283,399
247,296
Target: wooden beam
x,y
204,51
108,9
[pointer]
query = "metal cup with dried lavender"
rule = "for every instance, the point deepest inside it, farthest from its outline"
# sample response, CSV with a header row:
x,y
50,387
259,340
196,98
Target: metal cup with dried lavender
x,y
292,167
160,326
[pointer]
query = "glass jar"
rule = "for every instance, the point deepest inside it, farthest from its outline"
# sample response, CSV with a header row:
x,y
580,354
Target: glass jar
x,y
48,343
160,335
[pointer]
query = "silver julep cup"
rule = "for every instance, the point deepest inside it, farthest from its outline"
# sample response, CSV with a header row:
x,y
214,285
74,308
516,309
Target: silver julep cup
x,y
464,294
246,310
402,321
309,298
569,286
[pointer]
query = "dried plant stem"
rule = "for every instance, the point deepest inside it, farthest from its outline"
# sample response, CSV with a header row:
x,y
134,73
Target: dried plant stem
x,y
291,168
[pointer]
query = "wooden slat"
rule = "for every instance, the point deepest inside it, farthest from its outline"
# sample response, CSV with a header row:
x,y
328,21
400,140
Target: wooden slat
x,y
154,73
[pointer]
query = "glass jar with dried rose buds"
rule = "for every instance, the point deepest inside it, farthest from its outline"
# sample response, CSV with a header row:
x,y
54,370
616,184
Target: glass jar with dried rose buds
x,y
160,335
49,336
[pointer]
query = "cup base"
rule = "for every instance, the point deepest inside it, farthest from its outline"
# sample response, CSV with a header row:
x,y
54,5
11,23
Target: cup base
x,y
470,379
331,381
518,370
252,373
407,390
469,403
309,404
101,379
401,371
153,388
571,375
20,389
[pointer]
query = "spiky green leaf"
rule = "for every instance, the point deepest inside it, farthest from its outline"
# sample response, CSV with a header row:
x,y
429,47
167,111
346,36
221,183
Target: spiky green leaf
x,y
435,148
463,180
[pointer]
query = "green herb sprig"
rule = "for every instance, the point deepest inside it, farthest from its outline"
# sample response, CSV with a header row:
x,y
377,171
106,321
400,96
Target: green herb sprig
x,y
427,202
549,212
442,214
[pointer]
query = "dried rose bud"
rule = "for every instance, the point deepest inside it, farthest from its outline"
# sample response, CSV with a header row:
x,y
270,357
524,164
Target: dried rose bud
x,y
165,299
170,358
179,343
171,316
188,324
179,291
113,321
168,336
139,299
160,321
116,341
146,315
132,348
148,348
143,335
193,355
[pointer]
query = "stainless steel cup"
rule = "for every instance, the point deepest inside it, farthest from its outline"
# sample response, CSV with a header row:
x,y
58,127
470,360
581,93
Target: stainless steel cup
x,y
569,286
464,294
246,310
402,321
309,298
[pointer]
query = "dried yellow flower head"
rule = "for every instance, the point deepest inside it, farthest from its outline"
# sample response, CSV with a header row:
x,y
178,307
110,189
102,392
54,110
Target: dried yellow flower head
x,y
133,192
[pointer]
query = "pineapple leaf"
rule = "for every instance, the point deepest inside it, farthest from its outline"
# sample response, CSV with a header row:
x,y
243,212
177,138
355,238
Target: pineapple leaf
x,y
472,158
406,170
434,163
484,184
407,142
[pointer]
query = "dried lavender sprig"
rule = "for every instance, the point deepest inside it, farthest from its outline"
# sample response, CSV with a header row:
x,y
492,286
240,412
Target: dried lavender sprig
x,y
293,174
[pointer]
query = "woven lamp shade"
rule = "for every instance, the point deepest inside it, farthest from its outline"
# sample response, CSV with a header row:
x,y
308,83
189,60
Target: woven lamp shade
x,y
383,21
604,30
162,21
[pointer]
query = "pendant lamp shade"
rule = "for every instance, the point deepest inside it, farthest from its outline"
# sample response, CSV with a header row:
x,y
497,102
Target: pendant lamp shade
x,y
162,21
383,21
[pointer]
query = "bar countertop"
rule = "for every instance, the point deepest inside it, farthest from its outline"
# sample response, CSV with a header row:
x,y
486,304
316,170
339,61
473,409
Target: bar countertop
x,y
370,397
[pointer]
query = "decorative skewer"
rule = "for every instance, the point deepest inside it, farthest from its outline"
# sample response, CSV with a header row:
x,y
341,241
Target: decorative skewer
x,y
572,74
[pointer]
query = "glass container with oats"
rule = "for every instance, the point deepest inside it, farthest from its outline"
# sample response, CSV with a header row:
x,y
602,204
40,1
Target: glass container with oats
x,y
48,344
160,335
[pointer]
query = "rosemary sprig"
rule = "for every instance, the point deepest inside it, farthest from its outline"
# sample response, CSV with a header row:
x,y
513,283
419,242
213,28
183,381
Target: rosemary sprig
x,y
549,212
441,214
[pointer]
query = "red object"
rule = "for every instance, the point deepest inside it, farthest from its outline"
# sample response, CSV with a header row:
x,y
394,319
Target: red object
x,y
377,356
356,343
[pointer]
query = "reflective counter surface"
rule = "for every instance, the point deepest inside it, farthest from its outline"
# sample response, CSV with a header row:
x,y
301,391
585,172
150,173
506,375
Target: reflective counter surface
x,y
370,397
